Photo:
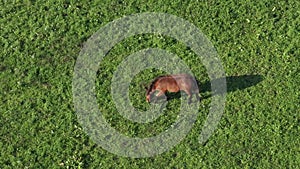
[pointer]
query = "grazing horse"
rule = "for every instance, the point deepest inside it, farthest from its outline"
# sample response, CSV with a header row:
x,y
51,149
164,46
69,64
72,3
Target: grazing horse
x,y
173,83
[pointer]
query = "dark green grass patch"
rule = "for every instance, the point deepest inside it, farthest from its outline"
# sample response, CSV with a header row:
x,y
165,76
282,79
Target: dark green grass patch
x,y
257,42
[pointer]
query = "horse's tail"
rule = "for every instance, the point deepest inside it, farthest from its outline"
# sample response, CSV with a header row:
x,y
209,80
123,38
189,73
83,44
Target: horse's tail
x,y
197,85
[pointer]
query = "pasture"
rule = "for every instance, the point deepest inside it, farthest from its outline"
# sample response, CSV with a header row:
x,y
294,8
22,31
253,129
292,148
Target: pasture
x,y
258,43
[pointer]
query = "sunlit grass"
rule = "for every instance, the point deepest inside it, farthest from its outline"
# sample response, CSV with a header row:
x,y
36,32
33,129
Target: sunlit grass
x,y
40,42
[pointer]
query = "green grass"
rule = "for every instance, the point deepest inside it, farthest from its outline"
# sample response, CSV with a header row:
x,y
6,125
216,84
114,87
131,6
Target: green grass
x,y
40,42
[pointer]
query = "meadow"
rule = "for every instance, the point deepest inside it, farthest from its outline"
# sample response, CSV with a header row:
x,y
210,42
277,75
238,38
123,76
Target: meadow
x,y
257,41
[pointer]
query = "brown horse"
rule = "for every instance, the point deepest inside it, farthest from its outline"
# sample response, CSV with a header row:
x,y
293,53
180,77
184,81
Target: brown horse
x,y
173,83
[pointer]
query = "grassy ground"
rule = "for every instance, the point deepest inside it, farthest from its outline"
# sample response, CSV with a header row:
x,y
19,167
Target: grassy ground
x,y
40,42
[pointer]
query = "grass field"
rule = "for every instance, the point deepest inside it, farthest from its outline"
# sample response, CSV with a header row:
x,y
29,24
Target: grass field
x,y
257,41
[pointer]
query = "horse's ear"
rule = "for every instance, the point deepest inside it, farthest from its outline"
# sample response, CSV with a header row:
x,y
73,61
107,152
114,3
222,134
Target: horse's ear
x,y
145,86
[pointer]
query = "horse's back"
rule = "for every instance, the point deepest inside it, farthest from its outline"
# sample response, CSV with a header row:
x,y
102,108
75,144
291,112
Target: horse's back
x,y
185,82
189,84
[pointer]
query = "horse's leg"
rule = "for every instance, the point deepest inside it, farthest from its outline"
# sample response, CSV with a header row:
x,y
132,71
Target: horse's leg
x,y
190,96
160,93
198,97
190,99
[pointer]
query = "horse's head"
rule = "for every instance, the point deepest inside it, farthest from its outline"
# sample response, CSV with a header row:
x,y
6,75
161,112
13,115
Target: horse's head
x,y
151,89
149,93
148,98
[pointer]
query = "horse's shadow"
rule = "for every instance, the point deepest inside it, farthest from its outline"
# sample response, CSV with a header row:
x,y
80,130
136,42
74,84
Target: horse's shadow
x,y
233,83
